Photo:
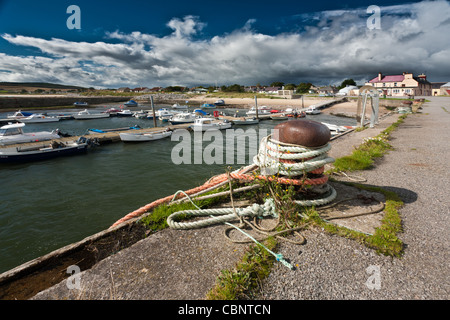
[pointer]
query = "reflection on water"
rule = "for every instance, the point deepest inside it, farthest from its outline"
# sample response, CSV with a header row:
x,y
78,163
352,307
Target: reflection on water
x,y
49,204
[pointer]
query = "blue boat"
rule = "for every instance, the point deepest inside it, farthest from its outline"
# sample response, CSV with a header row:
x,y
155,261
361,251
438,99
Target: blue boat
x,y
44,152
131,103
207,105
136,127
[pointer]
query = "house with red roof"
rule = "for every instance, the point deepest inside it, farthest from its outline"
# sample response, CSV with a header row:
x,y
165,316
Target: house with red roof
x,y
402,85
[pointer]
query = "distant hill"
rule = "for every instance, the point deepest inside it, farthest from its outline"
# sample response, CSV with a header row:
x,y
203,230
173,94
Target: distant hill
x,y
37,85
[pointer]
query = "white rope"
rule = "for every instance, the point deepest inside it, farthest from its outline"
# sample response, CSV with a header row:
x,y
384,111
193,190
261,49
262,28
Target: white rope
x,y
271,151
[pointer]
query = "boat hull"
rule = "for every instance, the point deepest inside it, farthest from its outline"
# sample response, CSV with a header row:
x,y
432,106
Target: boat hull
x,y
221,126
142,137
39,120
14,156
245,122
90,116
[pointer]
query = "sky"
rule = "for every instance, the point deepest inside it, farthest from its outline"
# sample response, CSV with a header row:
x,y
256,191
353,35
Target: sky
x,y
112,44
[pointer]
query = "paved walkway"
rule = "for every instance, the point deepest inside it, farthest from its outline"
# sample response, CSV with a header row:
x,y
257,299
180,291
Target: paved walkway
x,y
183,265
331,267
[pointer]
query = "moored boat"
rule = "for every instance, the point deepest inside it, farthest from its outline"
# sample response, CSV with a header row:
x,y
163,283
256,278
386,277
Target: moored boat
x,y
203,124
312,110
124,113
142,137
245,121
261,111
131,103
19,115
13,133
185,117
86,115
219,102
38,118
43,152
94,130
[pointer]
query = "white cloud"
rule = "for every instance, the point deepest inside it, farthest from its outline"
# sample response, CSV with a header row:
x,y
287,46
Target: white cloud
x,y
335,46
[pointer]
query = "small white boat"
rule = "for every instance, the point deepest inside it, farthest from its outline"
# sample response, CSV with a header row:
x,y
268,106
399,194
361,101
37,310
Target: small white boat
x,y
13,133
185,117
131,103
38,118
178,106
245,121
124,113
86,115
164,114
141,137
203,124
140,114
312,110
219,102
19,115
261,111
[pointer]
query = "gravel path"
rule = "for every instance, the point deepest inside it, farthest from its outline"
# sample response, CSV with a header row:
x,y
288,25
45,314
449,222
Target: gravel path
x,y
331,267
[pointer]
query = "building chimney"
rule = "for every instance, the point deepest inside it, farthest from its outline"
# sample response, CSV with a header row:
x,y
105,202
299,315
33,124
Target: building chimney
x,y
422,76
380,76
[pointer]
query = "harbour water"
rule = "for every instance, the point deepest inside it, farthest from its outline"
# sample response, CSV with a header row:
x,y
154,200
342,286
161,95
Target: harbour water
x,y
49,204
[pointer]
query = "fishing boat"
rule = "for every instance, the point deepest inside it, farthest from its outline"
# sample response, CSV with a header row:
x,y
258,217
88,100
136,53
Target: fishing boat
x,y
19,115
142,137
93,130
124,113
43,152
261,111
86,115
38,118
13,133
245,121
185,117
81,104
131,103
312,110
207,105
203,124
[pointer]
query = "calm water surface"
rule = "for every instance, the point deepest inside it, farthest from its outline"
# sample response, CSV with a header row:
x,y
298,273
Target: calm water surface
x,y
49,204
